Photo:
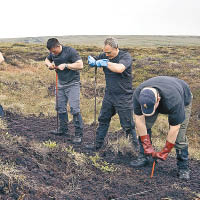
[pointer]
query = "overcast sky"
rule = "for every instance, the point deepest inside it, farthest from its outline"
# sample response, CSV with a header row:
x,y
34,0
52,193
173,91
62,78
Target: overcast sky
x,y
31,18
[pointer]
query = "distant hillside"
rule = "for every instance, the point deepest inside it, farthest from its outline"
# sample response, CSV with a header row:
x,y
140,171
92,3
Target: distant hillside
x,y
124,40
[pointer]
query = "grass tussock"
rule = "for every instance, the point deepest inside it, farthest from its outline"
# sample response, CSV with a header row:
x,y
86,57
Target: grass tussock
x,y
9,170
3,125
122,146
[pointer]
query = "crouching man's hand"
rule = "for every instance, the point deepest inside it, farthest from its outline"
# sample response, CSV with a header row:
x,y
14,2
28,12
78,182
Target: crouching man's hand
x,y
162,155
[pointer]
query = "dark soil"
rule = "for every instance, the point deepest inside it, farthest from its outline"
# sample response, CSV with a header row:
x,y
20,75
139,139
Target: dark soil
x,y
54,175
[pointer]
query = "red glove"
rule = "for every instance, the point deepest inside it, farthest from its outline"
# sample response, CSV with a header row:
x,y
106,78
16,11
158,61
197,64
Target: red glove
x,y
162,155
146,143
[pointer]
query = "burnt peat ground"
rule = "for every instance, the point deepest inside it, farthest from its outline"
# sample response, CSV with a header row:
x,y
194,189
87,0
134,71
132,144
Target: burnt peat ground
x,y
59,174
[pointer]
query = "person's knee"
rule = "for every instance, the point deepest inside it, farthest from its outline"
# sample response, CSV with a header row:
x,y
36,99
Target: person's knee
x,y
61,109
75,110
180,146
104,118
126,119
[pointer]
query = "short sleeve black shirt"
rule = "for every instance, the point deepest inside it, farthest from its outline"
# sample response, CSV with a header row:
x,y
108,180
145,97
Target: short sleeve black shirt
x,y
175,95
116,83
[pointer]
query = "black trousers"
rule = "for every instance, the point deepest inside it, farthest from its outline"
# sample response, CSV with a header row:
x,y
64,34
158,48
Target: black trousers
x,y
108,110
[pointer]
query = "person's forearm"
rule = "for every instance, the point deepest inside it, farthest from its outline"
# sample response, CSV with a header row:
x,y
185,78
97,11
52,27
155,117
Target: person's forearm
x,y
140,125
172,134
115,67
76,66
1,61
1,58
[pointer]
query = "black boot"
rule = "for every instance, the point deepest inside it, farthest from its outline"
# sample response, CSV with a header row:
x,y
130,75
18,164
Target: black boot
x,y
94,147
78,124
142,159
182,163
63,128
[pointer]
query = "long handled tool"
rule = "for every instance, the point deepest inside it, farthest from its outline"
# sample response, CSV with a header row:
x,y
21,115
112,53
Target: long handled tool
x,y
1,112
91,146
95,95
57,99
153,167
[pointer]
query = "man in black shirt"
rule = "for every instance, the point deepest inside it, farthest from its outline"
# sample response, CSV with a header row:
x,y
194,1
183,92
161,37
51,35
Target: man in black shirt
x,y
118,98
165,95
67,63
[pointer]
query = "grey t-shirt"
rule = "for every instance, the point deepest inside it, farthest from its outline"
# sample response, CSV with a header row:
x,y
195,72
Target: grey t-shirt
x,y
68,55
175,95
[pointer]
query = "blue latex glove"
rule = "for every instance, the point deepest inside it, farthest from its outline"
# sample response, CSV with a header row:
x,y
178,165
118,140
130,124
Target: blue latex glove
x,y
102,63
91,61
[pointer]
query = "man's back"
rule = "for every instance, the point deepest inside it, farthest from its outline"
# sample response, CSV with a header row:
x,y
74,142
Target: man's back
x,y
175,95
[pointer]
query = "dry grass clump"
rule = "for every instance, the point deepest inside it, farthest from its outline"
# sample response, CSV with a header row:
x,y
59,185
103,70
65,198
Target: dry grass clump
x,y
122,145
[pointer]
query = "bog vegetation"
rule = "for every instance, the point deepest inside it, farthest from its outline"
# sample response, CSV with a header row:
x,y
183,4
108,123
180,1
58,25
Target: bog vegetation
x,y
27,88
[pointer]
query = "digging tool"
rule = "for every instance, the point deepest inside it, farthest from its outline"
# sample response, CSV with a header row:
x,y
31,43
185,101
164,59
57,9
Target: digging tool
x,y
152,171
95,95
1,112
93,146
57,99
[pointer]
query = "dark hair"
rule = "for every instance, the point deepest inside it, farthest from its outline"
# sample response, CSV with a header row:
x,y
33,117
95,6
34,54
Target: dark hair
x,y
52,43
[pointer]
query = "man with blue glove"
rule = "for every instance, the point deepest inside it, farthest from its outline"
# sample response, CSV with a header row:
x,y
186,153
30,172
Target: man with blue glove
x,y
118,98
67,63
